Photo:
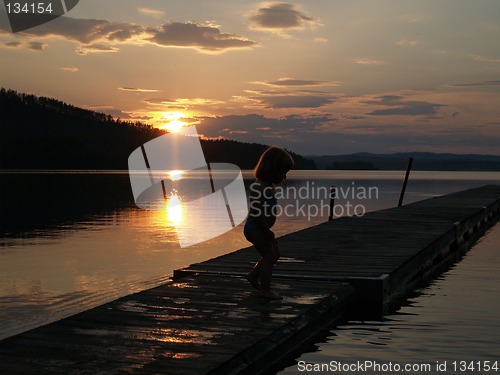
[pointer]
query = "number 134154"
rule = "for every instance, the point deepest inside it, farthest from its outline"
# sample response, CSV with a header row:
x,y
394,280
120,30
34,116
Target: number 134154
x,y
29,8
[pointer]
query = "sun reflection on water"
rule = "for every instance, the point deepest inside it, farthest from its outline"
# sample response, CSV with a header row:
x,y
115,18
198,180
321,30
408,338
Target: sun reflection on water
x,y
174,210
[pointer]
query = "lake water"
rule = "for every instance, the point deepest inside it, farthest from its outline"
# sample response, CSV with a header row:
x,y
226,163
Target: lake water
x,y
70,241
451,325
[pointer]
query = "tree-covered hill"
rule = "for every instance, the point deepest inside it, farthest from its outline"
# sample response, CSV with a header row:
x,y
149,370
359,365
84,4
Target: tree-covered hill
x,y
245,155
44,133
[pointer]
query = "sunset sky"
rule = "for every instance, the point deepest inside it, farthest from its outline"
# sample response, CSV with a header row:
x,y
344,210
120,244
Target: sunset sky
x,y
316,77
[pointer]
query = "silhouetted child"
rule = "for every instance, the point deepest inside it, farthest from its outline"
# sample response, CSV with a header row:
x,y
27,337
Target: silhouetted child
x,y
271,169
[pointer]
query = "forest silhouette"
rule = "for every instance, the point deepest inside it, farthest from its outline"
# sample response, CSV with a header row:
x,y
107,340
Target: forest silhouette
x,y
45,133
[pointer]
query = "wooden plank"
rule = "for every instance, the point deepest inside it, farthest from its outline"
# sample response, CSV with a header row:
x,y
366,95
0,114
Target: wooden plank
x,y
181,327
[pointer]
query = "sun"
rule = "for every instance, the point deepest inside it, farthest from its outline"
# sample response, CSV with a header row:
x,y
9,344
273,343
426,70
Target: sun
x,y
174,121
175,125
175,175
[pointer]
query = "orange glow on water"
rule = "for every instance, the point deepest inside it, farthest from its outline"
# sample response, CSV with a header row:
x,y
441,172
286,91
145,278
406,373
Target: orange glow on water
x,y
174,210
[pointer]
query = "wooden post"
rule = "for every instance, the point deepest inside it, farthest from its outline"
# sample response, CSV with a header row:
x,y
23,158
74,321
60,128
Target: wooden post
x,y
333,192
403,189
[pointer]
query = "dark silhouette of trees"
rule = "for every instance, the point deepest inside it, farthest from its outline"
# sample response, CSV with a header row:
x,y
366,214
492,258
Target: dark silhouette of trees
x,y
39,132
44,133
245,155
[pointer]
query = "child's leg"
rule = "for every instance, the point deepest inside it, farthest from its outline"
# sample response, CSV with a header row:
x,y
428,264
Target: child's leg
x,y
264,267
253,276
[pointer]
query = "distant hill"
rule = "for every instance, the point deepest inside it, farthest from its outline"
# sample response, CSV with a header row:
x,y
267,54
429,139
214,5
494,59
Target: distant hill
x,y
44,133
424,161
348,165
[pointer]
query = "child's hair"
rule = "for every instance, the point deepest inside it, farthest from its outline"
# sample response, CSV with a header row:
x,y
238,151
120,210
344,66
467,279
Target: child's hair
x,y
271,162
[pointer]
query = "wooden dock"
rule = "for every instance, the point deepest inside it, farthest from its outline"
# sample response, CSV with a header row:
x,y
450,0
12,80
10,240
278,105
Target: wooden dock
x,y
382,254
209,321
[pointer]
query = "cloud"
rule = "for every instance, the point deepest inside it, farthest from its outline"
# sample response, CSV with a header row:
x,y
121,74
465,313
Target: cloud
x,y
323,135
365,61
72,69
378,127
97,47
135,89
280,17
159,101
257,128
36,46
484,83
151,12
12,44
484,59
205,37
175,105
410,18
401,107
289,93
353,117
320,40
407,43
296,82
294,101
86,31
33,46
117,113
141,118
103,36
